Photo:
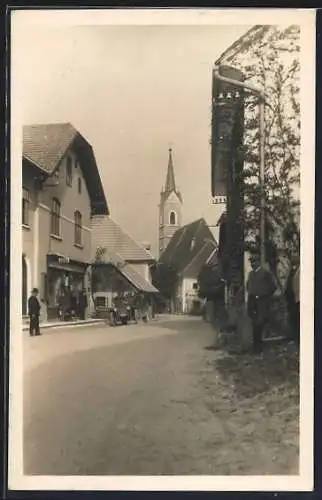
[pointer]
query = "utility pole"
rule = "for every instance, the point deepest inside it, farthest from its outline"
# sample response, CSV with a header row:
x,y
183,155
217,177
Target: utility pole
x,y
261,96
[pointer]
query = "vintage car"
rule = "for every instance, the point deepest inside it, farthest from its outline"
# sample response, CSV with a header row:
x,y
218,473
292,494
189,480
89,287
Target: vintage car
x,y
122,311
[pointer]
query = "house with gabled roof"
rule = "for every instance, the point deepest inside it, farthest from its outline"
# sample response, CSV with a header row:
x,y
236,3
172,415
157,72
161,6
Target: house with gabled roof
x,y
106,233
120,263
191,247
62,191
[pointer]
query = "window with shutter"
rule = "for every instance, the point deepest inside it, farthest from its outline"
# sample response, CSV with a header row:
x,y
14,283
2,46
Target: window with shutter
x,y
55,217
25,206
78,228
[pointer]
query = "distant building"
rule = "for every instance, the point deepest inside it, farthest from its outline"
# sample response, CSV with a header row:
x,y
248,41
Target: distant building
x,y
62,191
109,235
120,264
190,248
170,208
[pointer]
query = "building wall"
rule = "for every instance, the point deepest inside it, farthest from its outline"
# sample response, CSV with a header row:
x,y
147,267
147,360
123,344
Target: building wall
x,y
71,200
37,240
188,294
28,231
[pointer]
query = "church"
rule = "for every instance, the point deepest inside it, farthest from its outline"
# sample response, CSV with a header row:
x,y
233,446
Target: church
x,y
185,248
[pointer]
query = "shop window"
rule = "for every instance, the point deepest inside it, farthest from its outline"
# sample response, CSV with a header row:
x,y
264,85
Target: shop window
x,y
100,302
55,217
79,185
25,206
69,171
172,218
78,228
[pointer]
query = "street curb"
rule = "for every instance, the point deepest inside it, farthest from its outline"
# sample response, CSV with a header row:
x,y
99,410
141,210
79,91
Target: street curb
x,y
68,324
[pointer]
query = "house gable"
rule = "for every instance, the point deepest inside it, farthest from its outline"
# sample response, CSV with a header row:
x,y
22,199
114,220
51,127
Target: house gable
x,y
46,146
106,233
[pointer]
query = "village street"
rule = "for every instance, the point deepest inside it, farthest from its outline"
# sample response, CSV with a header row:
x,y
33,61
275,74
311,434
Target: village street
x,y
153,399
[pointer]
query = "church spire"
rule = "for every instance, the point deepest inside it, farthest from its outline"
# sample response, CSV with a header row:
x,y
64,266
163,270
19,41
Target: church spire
x,y
170,183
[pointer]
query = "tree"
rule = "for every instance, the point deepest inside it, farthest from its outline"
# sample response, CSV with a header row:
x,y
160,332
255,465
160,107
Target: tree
x,y
210,281
164,278
269,58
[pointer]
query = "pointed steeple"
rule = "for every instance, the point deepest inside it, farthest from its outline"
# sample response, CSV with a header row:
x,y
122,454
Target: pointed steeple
x,y
170,183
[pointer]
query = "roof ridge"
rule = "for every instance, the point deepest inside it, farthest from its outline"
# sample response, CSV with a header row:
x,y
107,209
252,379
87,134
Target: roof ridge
x,y
131,237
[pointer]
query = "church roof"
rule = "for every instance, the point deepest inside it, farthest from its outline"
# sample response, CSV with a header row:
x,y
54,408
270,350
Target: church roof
x,y
170,183
106,233
189,249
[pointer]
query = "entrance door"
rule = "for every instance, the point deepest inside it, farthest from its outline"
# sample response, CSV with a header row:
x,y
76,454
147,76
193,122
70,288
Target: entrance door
x,y
24,286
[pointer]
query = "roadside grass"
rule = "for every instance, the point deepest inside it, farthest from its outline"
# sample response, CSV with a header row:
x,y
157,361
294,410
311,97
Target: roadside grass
x,y
256,398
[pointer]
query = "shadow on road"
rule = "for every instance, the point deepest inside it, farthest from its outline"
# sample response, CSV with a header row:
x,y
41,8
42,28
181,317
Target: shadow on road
x,y
182,324
251,375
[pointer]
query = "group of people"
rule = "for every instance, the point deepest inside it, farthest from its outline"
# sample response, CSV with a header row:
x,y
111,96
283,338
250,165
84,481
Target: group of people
x,y
261,287
71,304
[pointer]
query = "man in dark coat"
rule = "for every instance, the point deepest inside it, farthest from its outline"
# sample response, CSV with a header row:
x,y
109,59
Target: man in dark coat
x,y
260,287
82,304
34,313
290,300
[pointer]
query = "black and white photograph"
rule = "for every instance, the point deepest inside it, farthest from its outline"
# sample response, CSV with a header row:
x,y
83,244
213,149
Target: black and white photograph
x,y
162,221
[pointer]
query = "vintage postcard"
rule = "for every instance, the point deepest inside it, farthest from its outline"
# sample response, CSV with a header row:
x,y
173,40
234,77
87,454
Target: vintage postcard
x,y
162,251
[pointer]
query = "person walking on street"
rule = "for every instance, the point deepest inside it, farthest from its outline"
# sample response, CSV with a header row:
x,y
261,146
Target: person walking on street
x,y
34,313
260,287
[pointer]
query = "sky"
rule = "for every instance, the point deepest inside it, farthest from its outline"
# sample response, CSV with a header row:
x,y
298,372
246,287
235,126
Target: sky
x,y
133,92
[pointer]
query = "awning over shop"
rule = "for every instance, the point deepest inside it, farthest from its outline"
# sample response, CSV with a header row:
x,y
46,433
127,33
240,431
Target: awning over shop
x,y
137,280
65,264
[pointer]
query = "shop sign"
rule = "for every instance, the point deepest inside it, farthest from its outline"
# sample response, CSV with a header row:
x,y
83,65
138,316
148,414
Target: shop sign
x,y
63,260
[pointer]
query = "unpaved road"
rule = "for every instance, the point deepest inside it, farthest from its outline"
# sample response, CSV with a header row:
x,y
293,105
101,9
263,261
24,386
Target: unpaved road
x,y
151,399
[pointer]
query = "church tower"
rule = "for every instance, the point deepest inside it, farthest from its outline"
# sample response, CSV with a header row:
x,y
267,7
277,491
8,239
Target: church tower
x,y
170,208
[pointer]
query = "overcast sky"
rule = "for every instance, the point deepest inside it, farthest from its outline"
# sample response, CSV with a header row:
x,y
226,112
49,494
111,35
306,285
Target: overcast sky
x,y
132,91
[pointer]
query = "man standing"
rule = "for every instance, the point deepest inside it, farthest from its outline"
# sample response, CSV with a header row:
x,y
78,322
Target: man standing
x,y
260,287
296,289
82,304
291,300
34,312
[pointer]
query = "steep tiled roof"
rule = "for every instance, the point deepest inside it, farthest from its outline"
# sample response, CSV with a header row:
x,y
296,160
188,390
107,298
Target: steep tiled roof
x,y
114,259
205,254
189,248
106,233
45,145
137,280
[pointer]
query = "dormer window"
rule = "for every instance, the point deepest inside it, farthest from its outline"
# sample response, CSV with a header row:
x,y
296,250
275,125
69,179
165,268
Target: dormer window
x,y
173,218
192,243
69,171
